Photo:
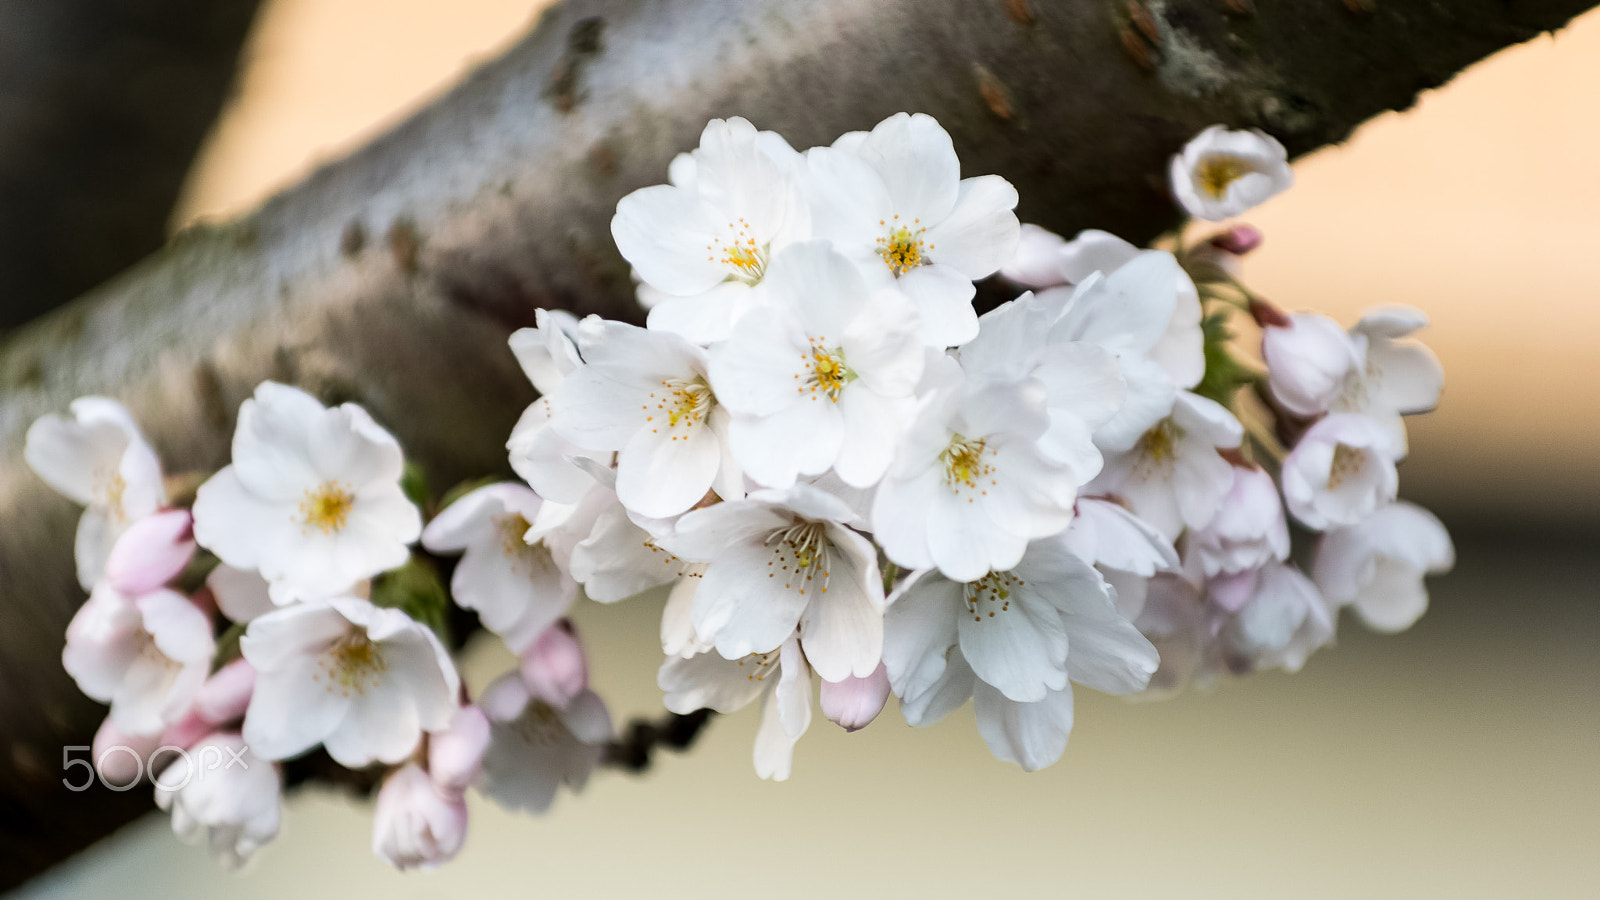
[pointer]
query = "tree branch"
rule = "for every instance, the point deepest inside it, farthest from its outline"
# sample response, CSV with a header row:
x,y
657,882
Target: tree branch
x,y
393,277
103,106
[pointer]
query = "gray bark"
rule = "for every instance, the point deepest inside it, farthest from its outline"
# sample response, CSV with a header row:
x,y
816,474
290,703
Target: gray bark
x,y
393,277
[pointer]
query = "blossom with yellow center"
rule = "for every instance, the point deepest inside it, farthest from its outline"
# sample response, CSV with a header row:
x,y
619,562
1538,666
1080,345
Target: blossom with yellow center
x,y
509,572
903,248
1216,173
353,663
312,500
964,464
327,507
990,594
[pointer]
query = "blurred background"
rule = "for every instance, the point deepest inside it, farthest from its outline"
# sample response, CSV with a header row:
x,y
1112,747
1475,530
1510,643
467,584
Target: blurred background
x,y
1460,759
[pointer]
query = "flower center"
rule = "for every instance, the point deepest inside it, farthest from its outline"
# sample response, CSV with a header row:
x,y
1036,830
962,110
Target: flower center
x,y
1347,463
745,261
353,663
1158,448
902,248
829,374
679,402
512,528
1215,173
115,488
760,665
327,507
963,463
990,594
802,555
540,725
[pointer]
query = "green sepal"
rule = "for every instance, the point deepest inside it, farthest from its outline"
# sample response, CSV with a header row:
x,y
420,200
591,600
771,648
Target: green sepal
x,y
415,589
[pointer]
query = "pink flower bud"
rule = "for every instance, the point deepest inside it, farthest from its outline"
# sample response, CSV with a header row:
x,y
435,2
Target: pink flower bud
x,y
226,694
153,551
119,757
185,733
455,755
554,667
413,825
854,702
1238,240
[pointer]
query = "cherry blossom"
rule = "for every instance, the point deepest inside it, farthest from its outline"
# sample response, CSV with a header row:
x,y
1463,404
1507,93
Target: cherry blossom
x,y
362,681
1222,173
312,499
99,459
894,202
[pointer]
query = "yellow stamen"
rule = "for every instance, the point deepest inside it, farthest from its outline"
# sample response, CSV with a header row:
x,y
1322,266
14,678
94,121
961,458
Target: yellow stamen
x,y
992,590
353,663
1347,461
1215,173
902,249
963,462
327,507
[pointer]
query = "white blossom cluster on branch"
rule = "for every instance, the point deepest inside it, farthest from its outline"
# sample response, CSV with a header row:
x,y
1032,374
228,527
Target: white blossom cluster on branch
x,y
838,477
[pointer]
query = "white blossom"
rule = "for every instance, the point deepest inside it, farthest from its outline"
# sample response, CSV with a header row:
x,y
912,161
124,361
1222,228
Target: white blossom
x,y
365,682
518,589
221,792
645,394
1340,472
1083,384
1180,349
894,202
971,485
619,559
556,468
1134,313
1268,617
710,681
1173,476
703,242
1222,173
147,656
1021,635
821,376
312,500
1248,531
534,747
99,459
1378,565
1126,549
1395,377
778,560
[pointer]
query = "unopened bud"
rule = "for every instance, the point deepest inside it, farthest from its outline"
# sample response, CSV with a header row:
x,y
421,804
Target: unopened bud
x,y
455,755
413,825
152,552
226,694
854,702
1238,240
119,757
1267,315
554,667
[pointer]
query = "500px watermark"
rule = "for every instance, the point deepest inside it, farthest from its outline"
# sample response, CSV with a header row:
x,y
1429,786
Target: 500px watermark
x,y
194,765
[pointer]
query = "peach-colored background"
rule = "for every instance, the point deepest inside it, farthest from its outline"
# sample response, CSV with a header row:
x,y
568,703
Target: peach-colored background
x,y
1457,760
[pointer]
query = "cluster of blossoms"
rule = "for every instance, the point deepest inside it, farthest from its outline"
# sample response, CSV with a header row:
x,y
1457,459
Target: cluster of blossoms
x,y
830,468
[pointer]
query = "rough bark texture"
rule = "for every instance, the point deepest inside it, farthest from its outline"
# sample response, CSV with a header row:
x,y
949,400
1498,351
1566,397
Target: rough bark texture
x,y
103,105
393,277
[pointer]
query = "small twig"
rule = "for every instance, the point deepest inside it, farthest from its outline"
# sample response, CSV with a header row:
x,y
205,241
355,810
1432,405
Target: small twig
x,y
632,751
